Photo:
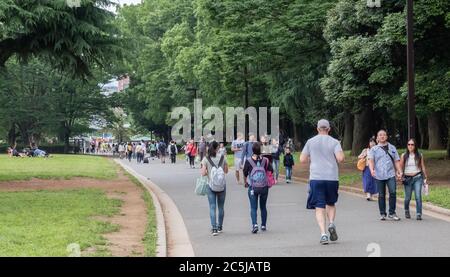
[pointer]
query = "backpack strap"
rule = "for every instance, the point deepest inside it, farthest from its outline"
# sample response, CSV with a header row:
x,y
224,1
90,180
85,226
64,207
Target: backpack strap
x,y
210,161
221,161
252,162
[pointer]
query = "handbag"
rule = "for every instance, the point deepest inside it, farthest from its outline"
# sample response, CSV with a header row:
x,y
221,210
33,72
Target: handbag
x,y
270,179
201,187
361,164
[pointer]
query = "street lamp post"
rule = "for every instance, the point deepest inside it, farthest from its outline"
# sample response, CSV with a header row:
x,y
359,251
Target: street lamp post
x,y
410,63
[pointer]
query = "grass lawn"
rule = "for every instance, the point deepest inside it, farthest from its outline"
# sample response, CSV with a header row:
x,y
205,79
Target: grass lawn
x,y
44,223
57,166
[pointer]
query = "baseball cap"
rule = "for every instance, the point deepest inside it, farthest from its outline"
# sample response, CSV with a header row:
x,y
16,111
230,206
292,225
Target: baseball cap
x,y
323,124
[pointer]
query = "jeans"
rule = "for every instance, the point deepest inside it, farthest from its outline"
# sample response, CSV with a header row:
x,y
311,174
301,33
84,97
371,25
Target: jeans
x,y
288,173
192,161
139,157
262,205
276,168
415,184
216,201
173,158
392,187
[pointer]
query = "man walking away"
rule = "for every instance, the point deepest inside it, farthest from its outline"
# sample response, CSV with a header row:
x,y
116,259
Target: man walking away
x,y
323,154
384,164
202,148
173,151
162,151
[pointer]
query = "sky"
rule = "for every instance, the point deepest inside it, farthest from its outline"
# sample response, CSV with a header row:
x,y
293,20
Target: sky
x,y
128,1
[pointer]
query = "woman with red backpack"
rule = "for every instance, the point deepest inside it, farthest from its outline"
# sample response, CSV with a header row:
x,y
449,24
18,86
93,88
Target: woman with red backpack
x,y
256,170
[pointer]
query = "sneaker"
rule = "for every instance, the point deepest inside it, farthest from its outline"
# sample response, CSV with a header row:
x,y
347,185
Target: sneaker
x,y
394,217
383,217
419,217
214,232
333,233
407,214
324,239
219,229
263,228
255,229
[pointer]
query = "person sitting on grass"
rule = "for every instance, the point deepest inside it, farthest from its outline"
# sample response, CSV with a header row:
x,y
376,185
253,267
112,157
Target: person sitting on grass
x,y
12,152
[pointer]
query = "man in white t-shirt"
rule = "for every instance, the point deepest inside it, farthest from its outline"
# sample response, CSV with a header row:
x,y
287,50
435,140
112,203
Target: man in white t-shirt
x,y
236,147
323,152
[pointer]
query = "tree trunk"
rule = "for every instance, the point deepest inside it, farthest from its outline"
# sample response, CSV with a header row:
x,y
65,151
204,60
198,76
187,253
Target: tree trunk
x,y
348,131
67,133
434,132
423,130
12,135
361,130
448,138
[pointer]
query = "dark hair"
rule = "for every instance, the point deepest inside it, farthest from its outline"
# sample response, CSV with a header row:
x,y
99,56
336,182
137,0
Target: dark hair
x,y
372,139
212,149
256,148
417,155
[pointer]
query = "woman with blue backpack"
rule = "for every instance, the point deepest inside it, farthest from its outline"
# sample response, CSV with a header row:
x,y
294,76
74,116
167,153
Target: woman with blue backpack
x,y
215,167
257,182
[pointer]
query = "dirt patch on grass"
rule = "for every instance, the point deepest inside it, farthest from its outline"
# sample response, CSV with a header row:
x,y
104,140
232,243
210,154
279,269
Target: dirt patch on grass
x,y
132,217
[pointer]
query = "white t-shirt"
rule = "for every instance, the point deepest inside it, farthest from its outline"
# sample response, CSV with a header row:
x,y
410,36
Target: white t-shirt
x,y
322,149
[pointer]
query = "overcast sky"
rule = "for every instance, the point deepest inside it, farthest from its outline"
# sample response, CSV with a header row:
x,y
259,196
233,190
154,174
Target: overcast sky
x,y
128,1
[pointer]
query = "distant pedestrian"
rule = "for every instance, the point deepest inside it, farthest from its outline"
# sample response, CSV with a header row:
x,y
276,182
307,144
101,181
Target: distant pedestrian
x,y
202,148
192,152
222,150
369,186
129,151
288,163
277,150
415,175
384,163
236,147
247,149
323,153
162,149
173,151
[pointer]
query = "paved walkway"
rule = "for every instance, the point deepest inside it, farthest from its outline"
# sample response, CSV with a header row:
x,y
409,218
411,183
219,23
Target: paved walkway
x,y
292,230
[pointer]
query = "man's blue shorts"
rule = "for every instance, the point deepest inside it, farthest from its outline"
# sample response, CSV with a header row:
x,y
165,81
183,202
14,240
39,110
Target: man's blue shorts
x,y
322,193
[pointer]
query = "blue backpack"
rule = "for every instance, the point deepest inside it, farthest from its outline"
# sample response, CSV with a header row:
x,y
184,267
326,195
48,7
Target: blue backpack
x,y
258,177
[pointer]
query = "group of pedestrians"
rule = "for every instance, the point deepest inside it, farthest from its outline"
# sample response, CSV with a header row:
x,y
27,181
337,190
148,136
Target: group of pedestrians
x,y
259,161
385,167
143,151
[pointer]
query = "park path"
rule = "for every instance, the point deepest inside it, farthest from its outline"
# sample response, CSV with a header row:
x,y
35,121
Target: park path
x,y
292,230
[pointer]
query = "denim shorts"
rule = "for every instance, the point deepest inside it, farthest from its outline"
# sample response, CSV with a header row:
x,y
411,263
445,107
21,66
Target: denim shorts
x,y
322,193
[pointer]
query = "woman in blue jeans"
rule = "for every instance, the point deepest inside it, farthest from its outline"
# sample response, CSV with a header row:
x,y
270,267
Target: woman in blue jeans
x,y
260,194
216,199
414,177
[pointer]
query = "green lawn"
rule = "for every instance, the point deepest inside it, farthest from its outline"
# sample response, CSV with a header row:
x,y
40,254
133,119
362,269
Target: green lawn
x,y
44,223
57,166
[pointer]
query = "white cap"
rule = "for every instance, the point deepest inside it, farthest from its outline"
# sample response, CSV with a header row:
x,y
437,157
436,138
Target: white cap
x,y
323,124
